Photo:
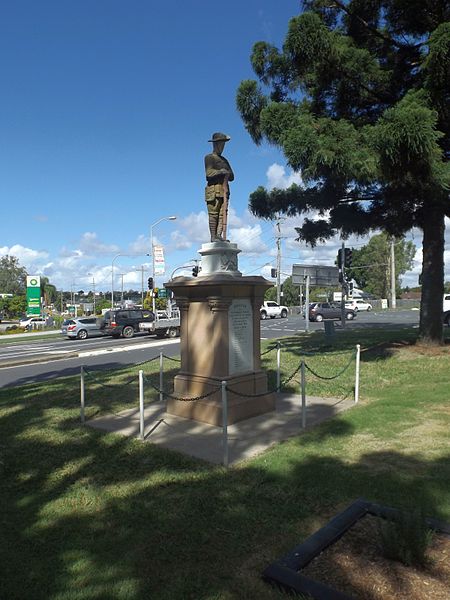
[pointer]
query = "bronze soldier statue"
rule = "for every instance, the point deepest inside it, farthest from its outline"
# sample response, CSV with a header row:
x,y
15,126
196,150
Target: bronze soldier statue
x,y
217,191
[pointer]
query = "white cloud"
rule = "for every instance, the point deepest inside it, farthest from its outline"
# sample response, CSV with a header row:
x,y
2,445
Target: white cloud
x,y
92,246
25,255
140,246
248,239
193,229
278,178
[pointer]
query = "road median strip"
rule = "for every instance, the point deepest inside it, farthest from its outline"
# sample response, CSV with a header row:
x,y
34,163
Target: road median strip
x,y
17,362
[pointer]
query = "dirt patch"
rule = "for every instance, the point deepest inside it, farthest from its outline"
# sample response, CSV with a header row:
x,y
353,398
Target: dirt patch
x,y
355,565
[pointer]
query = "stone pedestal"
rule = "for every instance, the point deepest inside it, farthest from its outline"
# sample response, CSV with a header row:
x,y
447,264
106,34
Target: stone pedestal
x,y
220,339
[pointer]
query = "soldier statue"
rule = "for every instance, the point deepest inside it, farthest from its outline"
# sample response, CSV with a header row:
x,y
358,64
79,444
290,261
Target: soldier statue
x,y
217,191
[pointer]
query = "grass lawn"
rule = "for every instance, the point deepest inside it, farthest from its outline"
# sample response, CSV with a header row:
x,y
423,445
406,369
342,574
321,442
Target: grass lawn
x,y
87,515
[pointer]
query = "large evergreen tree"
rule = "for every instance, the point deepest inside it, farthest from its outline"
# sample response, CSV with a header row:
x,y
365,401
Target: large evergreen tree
x,y
358,100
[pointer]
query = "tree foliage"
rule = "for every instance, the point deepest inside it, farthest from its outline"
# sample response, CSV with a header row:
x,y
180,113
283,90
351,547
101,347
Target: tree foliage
x,y
13,277
371,265
358,100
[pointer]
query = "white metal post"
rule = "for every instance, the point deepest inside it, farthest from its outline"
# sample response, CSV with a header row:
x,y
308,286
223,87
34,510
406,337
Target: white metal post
x,y
224,424
161,376
303,388
278,367
141,404
82,394
358,358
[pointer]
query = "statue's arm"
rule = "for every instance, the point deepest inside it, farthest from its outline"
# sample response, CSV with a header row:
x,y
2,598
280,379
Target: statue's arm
x,y
217,166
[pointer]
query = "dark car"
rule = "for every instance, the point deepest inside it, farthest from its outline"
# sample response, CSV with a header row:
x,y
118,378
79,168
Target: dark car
x,y
125,322
447,318
318,311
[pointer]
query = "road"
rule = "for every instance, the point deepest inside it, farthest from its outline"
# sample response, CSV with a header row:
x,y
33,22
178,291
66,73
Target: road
x,y
107,353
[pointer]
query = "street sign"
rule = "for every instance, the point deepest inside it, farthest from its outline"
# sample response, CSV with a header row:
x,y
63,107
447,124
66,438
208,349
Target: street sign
x,y
162,293
33,295
318,275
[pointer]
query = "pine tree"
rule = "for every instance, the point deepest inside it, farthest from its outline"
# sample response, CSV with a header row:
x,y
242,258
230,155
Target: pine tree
x,y
358,100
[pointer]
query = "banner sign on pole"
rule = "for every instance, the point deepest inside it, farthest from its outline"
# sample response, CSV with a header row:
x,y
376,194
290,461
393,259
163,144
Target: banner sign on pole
x,y
158,258
33,295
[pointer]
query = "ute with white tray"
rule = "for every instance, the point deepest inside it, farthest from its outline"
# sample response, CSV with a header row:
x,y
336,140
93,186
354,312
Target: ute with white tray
x,y
166,324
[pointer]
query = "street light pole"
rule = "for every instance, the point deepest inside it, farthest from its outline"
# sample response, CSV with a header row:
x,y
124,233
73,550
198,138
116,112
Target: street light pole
x,y
171,218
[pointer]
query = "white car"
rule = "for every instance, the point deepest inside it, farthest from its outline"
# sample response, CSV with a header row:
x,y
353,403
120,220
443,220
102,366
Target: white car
x,y
31,322
357,304
272,309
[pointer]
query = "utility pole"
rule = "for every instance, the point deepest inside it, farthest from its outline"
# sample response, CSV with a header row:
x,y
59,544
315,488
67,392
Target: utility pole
x,y
343,286
121,293
393,278
278,263
93,291
142,286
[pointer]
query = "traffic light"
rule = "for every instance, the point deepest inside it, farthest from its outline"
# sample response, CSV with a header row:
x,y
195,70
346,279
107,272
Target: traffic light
x,y
195,271
150,283
273,272
348,257
339,258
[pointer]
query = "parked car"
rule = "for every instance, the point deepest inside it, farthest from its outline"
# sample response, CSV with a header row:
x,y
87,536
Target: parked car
x,y
357,304
31,322
446,303
82,327
318,311
447,318
125,322
272,309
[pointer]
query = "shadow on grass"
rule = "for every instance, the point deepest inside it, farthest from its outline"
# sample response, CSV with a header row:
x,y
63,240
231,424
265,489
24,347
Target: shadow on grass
x,y
89,515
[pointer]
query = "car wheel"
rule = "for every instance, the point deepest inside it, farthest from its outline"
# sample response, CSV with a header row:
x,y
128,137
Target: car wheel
x,y
283,314
263,315
128,332
173,332
369,308
318,318
349,316
82,334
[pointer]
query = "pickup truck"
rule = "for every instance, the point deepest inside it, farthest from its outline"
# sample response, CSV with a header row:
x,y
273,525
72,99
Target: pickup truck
x,y
272,309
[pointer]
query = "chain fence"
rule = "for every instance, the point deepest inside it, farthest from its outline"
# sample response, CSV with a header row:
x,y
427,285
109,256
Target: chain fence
x,y
223,388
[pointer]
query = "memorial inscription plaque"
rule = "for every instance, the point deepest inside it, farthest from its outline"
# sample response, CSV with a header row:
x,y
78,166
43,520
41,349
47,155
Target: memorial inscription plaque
x,y
240,331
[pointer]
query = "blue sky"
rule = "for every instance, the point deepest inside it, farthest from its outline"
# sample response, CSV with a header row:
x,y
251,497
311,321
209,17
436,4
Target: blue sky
x,y
105,112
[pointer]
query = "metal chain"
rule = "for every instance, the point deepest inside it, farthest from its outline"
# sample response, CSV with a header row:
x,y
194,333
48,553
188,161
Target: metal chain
x,y
178,398
334,376
170,358
267,351
289,379
106,385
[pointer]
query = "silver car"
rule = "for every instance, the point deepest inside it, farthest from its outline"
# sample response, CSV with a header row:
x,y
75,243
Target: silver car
x,y
82,327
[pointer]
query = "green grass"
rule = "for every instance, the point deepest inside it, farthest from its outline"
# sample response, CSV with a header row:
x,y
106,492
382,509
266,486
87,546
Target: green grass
x,y
87,515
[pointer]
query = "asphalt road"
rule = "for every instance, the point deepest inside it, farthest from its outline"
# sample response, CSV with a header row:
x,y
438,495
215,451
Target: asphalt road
x,y
108,353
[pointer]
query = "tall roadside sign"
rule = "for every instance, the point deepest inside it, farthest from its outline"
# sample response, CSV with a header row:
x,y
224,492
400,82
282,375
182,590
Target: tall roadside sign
x,y
33,295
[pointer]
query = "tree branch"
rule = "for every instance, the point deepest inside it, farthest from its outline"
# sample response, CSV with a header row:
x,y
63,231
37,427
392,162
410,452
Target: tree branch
x,y
374,30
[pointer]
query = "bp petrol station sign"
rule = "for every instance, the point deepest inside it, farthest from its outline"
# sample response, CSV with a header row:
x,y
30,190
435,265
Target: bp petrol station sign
x,y
33,295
